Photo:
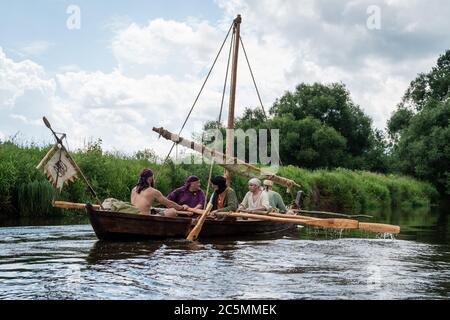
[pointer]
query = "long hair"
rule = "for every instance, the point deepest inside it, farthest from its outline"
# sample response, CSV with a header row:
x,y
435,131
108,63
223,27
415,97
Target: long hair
x,y
142,183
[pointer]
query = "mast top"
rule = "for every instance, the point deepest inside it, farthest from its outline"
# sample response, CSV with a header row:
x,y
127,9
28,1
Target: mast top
x,y
238,19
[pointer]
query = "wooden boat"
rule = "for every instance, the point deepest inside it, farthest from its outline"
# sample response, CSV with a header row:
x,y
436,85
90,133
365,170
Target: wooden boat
x,y
110,225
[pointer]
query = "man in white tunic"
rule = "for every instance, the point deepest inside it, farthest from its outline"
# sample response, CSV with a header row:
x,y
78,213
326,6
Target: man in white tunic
x,y
256,199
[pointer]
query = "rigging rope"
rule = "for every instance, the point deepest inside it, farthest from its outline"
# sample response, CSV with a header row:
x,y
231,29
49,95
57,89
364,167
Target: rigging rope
x,y
253,78
220,113
257,91
201,89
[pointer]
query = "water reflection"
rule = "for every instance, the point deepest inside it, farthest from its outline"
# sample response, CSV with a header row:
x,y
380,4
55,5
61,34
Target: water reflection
x,y
68,262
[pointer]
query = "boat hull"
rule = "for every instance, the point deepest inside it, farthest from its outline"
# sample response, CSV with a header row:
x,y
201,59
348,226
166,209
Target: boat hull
x,y
110,225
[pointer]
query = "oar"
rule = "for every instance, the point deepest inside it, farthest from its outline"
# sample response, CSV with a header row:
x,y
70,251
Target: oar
x,y
333,214
379,227
372,227
193,235
325,223
72,205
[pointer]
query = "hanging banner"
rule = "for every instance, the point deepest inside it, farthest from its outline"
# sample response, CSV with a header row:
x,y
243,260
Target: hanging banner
x,y
58,167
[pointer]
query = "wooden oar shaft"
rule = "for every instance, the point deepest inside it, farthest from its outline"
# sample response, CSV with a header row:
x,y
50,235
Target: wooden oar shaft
x,y
330,223
72,205
332,214
325,223
193,235
379,227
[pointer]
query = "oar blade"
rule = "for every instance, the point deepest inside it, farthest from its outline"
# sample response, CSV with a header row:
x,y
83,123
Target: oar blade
x,y
334,223
193,235
379,228
47,123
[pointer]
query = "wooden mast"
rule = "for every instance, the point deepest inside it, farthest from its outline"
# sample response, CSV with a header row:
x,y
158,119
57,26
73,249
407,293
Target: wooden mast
x,y
230,126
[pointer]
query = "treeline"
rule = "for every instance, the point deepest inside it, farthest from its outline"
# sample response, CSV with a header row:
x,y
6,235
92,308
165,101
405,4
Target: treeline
x,y
322,128
25,191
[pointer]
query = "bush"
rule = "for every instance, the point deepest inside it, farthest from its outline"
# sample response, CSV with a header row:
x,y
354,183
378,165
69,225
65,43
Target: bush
x,y
26,191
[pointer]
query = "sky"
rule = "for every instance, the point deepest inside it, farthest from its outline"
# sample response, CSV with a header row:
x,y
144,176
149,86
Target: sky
x,y
115,69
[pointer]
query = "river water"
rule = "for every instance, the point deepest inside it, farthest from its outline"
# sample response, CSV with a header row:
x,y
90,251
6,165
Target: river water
x,y
64,260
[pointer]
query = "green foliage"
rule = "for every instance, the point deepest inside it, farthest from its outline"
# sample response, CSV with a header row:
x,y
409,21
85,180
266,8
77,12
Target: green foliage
x,y
114,175
343,190
420,128
332,106
322,128
431,87
33,199
423,150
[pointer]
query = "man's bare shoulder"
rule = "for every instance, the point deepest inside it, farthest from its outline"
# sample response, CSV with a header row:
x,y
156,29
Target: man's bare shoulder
x,y
152,192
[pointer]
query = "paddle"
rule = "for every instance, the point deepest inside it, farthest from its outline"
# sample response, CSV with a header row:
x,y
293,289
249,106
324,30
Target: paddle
x,y
193,235
72,205
372,227
325,223
332,214
379,227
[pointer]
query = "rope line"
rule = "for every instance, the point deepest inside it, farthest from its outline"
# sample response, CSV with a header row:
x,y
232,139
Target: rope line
x,y
220,113
201,90
253,77
257,91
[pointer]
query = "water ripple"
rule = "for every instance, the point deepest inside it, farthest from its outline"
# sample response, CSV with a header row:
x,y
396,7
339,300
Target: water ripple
x,y
67,262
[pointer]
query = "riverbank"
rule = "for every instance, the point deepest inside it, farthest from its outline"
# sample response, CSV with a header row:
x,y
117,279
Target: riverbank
x,y
25,191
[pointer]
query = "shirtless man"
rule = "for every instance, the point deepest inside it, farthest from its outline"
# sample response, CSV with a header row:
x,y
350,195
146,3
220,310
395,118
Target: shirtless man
x,y
143,195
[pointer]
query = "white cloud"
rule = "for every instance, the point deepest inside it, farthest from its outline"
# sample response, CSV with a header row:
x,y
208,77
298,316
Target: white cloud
x,y
161,66
165,47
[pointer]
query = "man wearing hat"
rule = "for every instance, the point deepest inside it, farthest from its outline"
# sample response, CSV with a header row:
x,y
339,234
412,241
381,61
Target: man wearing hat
x,y
256,198
190,194
275,199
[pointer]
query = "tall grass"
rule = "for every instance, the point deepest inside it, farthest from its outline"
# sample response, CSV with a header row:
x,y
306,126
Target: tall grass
x,y
25,190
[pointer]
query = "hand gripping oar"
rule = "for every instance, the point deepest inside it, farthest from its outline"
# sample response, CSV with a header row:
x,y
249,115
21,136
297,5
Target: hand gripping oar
x,y
193,235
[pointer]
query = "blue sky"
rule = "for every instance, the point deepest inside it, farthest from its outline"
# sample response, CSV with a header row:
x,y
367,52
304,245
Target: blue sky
x,y
23,22
137,64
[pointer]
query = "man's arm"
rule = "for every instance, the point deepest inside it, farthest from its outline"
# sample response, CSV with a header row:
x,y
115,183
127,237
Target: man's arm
x,y
244,203
201,204
280,204
166,202
232,202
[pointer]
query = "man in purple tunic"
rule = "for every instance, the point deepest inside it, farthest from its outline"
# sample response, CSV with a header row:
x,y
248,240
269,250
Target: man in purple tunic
x,y
190,194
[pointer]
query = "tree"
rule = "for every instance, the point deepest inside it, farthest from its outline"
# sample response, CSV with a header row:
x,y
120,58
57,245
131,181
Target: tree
x,y
433,86
399,120
332,106
420,127
423,150
309,143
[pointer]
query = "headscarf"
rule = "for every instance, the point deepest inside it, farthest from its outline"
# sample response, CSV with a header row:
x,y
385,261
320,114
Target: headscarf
x,y
255,181
142,182
189,180
267,184
221,182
